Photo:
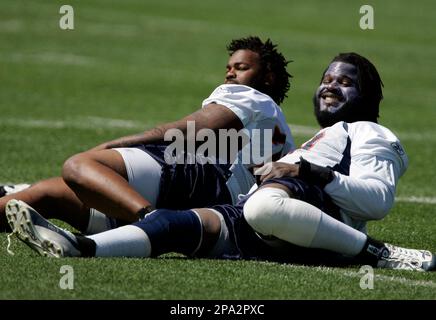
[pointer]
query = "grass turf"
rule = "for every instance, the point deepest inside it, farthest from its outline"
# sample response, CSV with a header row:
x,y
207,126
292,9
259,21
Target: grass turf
x,y
130,65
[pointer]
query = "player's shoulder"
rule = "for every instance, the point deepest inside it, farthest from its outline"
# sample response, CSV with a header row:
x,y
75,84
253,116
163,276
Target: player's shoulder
x,y
244,99
378,140
241,90
355,126
368,128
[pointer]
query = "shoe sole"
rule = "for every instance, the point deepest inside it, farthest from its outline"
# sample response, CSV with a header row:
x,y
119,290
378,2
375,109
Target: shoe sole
x,y
19,218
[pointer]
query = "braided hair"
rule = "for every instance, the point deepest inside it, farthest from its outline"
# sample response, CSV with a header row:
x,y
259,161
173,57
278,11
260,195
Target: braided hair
x,y
270,60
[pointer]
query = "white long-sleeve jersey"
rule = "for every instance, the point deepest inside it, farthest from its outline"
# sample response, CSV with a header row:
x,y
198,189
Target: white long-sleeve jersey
x,y
258,114
257,111
367,160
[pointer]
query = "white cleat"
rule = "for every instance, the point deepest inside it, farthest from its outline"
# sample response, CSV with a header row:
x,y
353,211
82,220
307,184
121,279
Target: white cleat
x,y
394,257
14,188
39,233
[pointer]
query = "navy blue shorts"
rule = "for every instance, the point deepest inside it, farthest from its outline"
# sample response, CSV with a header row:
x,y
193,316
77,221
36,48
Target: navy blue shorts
x,y
187,186
251,246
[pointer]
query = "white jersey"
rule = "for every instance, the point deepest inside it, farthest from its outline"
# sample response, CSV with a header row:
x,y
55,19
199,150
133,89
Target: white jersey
x,y
367,160
258,114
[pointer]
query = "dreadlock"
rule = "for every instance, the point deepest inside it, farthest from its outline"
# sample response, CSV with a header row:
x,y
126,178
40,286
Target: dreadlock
x,y
369,81
270,60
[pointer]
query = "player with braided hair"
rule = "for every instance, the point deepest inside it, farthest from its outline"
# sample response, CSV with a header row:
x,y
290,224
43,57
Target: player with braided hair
x,y
314,201
127,177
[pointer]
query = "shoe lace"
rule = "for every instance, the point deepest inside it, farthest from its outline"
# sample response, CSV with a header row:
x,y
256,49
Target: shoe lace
x,y
9,244
404,253
403,258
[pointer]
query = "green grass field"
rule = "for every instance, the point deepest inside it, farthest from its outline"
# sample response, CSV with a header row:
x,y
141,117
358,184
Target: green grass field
x,y
129,65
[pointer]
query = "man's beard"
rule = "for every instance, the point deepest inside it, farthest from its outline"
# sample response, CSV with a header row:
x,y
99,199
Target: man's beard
x,y
351,111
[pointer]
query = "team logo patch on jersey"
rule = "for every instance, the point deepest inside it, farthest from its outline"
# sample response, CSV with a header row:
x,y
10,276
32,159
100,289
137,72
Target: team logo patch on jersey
x,y
309,144
398,148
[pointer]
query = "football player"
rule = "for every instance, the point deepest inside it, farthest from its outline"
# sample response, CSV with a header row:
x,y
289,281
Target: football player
x,y
317,198
128,177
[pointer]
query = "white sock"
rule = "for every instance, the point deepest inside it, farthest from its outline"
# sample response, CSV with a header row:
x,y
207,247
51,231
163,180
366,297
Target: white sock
x,y
126,241
337,236
270,211
98,222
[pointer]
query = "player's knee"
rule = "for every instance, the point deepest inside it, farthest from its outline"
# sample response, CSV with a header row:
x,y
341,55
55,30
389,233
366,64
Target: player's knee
x,y
262,210
273,213
172,231
73,170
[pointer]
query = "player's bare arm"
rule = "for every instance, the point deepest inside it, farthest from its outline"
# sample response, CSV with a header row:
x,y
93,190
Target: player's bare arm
x,y
213,116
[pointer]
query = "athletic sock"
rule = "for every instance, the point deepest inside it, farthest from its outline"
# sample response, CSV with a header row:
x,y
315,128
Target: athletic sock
x,y
371,252
126,241
337,236
98,222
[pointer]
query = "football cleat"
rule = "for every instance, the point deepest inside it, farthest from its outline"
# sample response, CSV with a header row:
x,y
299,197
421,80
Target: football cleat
x,y
14,188
39,233
393,257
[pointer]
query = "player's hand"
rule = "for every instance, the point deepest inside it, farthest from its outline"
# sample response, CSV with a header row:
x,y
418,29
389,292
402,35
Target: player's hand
x,y
276,170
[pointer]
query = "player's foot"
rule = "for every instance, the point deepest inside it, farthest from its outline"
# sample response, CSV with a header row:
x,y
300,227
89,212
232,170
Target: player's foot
x,y
38,233
13,188
388,256
393,257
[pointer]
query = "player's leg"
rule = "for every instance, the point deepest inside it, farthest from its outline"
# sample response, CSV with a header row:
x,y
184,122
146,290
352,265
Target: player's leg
x,y
101,180
54,199
188,232
272,211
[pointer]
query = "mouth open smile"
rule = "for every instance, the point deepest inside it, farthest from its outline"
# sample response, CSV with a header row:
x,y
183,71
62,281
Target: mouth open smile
x,y
331,98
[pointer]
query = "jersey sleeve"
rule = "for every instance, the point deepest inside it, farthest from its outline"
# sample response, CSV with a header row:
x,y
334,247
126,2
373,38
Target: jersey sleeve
x,y
260,116
247,103
377,161
368,193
